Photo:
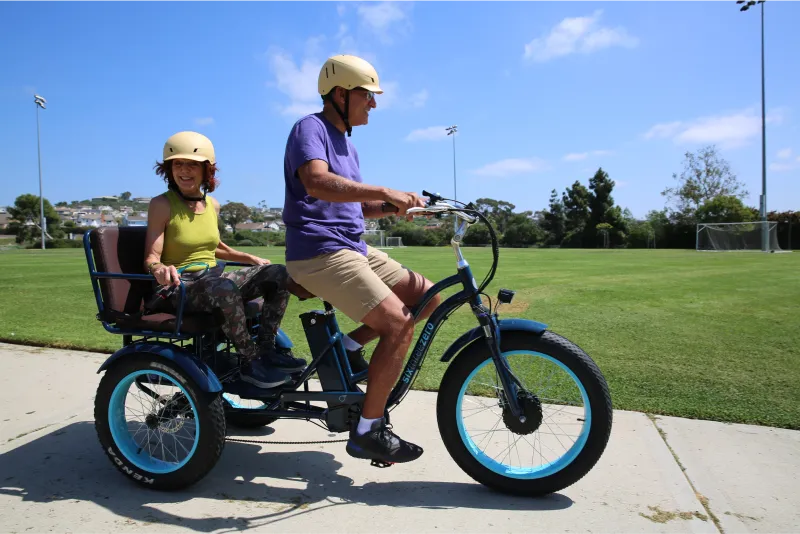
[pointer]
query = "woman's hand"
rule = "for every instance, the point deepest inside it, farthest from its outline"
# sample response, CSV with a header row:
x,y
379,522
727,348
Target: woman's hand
x,y
255,260
166,275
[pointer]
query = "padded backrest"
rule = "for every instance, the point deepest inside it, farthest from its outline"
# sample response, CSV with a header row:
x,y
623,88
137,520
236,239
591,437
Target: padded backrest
x,y
121,250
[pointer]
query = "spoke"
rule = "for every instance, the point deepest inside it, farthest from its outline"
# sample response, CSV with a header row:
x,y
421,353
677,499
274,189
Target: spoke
x,y
141,426
504,450
488,385
480,411
519,460
161,439
555,436
182,447
575,438
491,431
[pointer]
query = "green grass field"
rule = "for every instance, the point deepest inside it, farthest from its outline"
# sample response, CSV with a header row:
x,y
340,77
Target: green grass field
x,y
702,335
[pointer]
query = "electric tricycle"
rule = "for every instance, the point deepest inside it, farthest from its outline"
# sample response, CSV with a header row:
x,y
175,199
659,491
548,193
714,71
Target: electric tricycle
x,y
520,409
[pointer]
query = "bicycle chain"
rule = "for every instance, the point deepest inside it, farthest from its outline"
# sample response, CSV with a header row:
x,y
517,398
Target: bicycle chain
x,y
255,441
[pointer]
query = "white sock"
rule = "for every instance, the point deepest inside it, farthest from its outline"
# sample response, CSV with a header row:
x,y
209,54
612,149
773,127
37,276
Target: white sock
x,y
365,425
349,344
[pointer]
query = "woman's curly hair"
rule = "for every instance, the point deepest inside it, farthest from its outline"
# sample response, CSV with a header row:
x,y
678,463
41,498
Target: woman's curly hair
x,y
210,180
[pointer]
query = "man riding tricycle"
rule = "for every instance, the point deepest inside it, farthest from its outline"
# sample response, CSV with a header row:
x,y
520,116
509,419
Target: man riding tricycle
x,y
520,409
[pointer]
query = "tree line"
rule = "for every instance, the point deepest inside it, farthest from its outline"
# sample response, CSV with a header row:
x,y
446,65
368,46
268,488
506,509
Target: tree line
x,y
582,216
586,216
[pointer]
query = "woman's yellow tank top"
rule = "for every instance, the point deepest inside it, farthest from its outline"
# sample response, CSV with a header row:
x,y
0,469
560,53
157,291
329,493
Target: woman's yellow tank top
x,y
190,237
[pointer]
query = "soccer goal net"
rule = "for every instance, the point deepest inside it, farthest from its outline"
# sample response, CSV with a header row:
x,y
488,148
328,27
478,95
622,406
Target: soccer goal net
x,y
394,242
737,236
374,238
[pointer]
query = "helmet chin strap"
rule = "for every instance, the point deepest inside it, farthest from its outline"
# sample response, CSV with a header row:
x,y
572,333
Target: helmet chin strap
x,y
346,113
174,187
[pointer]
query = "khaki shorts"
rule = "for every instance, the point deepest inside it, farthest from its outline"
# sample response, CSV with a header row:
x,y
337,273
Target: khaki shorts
x,y
351,282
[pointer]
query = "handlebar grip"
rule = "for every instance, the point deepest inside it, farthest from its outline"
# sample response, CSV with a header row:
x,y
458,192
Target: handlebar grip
x,y
434,197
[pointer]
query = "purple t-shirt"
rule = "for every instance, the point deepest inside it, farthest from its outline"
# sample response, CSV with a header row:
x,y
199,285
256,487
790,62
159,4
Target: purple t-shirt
x,y
315,226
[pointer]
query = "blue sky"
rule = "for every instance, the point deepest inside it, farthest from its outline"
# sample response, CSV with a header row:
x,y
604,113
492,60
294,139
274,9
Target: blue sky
x,y
542,93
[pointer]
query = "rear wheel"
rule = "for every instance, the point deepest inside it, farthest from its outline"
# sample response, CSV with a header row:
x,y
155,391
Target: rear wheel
x,y
566,419
156,425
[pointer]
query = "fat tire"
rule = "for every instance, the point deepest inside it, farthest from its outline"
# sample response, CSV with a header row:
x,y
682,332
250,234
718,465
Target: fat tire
x,y
558,348
211,424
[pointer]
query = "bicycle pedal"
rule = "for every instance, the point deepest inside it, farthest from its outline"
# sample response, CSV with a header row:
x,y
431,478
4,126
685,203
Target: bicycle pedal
x,y
381,464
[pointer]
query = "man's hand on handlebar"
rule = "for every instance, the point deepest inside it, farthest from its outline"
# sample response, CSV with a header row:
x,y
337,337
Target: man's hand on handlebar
x,y
404,201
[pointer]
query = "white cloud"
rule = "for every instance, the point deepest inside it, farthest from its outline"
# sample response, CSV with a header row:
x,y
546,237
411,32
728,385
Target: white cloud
x,y
418,99
579,156
581,35
786,153
507,167
730,131
204,121
382,18
298,82
785,166
663,130
433,133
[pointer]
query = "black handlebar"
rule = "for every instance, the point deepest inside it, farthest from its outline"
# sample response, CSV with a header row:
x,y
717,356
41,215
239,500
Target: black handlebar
x,y
434,197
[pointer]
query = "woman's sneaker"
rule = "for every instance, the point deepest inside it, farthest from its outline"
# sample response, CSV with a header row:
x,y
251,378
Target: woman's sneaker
x,y
382,445
262,376
282,360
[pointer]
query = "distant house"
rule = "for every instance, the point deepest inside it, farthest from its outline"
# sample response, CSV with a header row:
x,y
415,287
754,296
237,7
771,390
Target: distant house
x,y
134,220
3,209
253,227
105,199
89,219
142,200
5,219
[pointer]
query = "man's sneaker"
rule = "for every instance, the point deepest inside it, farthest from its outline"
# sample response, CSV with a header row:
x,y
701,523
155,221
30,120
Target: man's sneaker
x,y
282,360
259,375
357,361
381,444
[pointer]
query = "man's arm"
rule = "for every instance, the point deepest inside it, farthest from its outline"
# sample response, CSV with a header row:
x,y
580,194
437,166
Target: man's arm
x,y
325,185
375,209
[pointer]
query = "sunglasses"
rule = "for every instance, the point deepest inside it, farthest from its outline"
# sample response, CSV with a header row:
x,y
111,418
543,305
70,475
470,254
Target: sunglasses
x,y
369,94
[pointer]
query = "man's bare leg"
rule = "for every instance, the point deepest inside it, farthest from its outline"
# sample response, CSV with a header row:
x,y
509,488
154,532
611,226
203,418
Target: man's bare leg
x,y
410,291
394,323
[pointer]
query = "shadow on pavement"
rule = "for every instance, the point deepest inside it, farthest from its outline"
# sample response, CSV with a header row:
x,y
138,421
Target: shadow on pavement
x,y
68,464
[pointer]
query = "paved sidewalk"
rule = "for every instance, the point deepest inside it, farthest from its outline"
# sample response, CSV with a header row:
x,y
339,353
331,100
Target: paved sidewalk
x,y
54,477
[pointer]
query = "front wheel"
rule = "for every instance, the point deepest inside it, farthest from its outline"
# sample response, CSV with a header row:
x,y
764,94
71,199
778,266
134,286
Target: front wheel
x,y
564,428
156,425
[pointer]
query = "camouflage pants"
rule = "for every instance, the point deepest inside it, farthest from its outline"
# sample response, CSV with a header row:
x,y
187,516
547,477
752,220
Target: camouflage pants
x,y
226,293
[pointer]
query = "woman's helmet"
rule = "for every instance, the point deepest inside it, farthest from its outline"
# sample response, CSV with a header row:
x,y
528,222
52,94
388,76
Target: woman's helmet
x,y
189,145
347,72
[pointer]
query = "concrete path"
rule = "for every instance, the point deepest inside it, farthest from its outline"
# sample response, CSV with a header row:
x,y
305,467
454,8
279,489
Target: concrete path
x,y
657,475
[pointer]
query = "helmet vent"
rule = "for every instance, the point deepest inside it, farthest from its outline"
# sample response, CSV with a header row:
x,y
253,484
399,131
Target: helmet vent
x,y
326,73
195,150
170,149
333,68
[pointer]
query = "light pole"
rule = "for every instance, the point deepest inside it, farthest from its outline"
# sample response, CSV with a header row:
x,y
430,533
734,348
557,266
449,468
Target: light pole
x,y
790,229
452,131
764,229
40,103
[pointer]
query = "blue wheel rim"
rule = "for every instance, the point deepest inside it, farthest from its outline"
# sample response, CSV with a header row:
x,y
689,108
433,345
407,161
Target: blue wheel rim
x,y
138,455
523,473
